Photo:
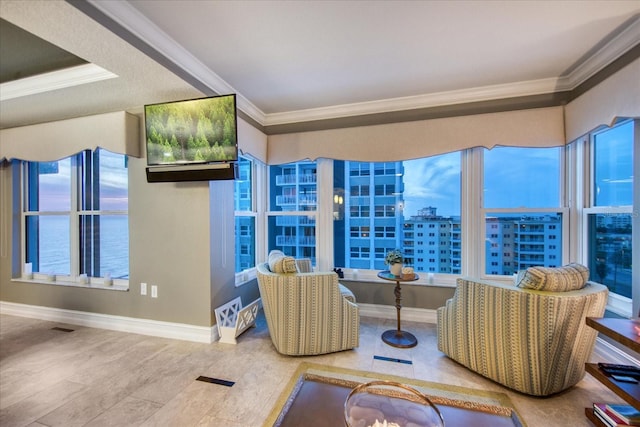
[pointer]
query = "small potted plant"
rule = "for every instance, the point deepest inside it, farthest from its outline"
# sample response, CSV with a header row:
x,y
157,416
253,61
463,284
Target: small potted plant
x,y
394,260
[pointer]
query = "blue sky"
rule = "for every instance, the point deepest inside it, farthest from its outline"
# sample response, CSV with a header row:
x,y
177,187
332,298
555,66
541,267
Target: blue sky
x,y
512,180
614,166
55,188
521,177
433,181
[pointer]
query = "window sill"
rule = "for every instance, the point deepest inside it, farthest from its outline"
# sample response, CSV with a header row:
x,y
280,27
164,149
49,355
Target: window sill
x,y
245,277
118,285
425,279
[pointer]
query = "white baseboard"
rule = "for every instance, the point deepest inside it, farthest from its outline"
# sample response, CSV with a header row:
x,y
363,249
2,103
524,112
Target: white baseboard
x,y
154,328
410,314
178,331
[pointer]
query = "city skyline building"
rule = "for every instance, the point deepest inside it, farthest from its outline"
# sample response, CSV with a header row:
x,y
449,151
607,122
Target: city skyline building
x,y
369,219
432,243
245,226
293,192
373,223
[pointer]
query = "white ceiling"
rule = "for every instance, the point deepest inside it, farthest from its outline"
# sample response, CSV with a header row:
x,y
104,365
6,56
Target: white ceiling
x,y
292,61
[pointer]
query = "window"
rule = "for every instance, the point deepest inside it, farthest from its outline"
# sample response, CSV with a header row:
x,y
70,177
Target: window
x,y
245,215
385,211
292,209
407,195
388,232
385,190
516,201
76,216
522,195
359,190
609,219
517,177
359,169
360,252
362,231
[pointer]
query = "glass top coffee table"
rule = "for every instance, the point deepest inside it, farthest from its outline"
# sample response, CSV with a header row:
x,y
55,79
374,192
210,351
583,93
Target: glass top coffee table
x,y
317,394
397,337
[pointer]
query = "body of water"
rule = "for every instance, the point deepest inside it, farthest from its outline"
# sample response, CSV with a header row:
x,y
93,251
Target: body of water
x,y
54,246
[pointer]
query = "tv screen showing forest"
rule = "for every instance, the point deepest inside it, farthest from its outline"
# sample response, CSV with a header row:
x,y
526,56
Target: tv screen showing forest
x,y
194,131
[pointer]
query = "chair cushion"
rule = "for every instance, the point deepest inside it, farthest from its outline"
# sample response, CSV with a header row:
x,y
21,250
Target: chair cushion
x,y
280,263
570,277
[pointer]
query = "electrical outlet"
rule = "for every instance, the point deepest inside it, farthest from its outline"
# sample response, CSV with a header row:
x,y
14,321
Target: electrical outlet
x,y
154,291
143,288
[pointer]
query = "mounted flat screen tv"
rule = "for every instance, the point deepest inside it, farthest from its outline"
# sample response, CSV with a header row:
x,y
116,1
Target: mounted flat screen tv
x,y
186,140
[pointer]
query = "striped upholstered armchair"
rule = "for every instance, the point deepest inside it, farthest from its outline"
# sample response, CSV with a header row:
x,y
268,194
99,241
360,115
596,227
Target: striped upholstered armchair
x,y
308,313
529,340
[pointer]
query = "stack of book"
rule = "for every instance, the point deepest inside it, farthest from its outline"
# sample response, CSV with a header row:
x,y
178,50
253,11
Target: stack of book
x,y
624,373
617,415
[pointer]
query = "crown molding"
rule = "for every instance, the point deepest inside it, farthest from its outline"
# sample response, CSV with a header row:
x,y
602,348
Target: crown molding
x,y
485,93
141,27
60,79
137,24
612,50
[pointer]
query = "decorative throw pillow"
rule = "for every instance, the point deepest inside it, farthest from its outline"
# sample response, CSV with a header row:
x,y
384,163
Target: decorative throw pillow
x,y
570,277
303,265
280,263
519,277
273,257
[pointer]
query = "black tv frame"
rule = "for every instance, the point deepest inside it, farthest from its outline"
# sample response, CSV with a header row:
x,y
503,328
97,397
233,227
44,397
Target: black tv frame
x,y
192,170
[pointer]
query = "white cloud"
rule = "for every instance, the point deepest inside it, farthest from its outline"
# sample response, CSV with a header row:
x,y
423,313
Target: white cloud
x,y
433,181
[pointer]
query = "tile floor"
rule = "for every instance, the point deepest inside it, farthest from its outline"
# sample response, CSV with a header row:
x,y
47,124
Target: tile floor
x,y
94,377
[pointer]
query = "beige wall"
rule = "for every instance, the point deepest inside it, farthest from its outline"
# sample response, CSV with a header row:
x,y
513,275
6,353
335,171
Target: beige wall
x,y
171,229
182,240
169,247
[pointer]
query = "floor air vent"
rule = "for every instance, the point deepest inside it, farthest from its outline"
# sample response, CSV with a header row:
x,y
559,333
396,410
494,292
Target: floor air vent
x,y
393,359
215,381
57,328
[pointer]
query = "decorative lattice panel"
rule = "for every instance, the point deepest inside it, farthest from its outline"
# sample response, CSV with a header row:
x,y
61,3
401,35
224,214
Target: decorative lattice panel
x,y
233,319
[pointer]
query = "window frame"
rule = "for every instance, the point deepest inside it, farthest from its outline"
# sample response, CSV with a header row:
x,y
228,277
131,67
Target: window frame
x,y
562,208
78,182
471,168
574,206
258,177
616,303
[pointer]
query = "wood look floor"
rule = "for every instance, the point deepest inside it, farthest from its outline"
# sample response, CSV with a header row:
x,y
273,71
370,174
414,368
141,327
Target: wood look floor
x,y
94,377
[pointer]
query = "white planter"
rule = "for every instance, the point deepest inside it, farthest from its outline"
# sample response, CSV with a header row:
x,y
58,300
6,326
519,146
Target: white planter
x,y
396,269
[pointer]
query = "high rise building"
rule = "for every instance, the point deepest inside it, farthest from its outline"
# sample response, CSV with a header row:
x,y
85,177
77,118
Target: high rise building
x,y
244,226
432,243
293,189
369,221
373,213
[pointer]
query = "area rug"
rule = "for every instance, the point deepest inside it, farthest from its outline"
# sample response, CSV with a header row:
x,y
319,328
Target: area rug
x,y
315,396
